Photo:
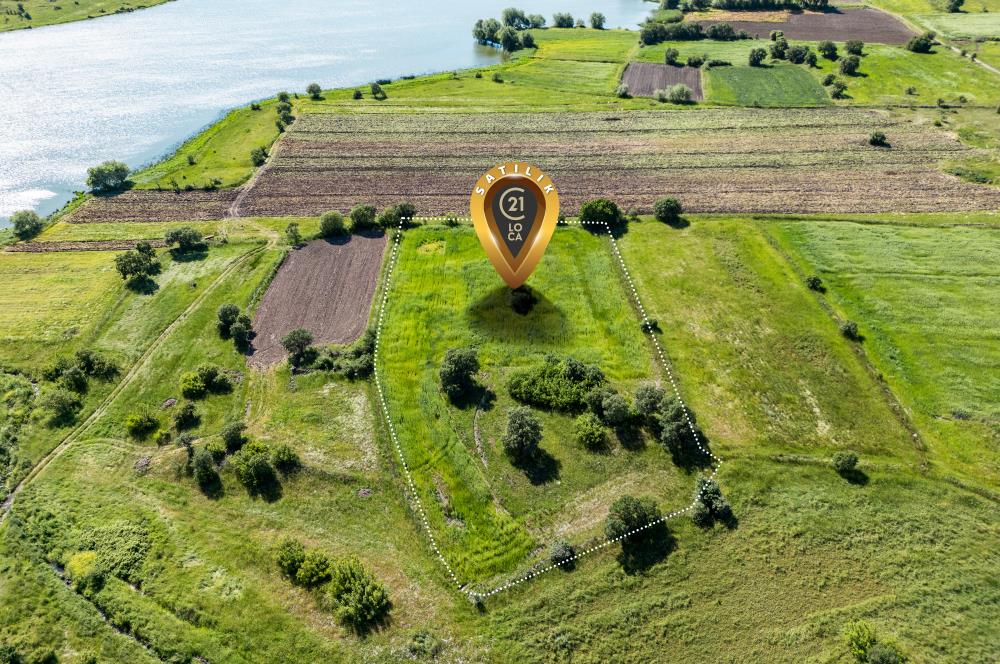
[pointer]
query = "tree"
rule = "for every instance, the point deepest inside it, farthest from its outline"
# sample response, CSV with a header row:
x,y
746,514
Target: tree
x,y
670,56
757,57
314,91
878,139
590,432
597,20
711,505
536,21
332,224
356,597
293,235
814,283
107,177
314,570
290,557
232,436
615,410
228,313
845,462
527,40
203,466
827,49
485,30
627,515
811,58
648,399
667,210
134,264
622,91
363,218
838,89
258,155
562,20
377,91
850,330
955,6
797,54
849,65
186,238
509,39
140,424
253,468
524,433
514,18
27,224
95,364
186,417
601,211
298,343
854,47
74,379
285,458
241,331
193,385
922,43
457,370
62,405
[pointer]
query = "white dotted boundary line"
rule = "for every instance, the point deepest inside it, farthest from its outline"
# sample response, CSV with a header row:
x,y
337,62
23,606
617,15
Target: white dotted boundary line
x,y
663,362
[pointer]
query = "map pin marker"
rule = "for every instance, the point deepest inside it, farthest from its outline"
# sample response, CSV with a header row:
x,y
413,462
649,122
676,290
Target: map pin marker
x,y
514,208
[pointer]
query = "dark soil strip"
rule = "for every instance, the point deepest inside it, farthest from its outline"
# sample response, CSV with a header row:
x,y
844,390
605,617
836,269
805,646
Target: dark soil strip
x,y
868,25
79,245
644,78
325,287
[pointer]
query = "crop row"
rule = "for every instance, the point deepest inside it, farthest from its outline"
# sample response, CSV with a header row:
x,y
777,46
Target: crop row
x,y
157,206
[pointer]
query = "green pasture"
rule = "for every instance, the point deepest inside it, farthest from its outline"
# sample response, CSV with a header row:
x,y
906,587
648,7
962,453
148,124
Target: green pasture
x,y
776,86
966,25
46,12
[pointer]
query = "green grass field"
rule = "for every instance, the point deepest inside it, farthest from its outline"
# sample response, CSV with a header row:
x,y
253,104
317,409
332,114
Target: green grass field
x,y
37,13
985,25
778,86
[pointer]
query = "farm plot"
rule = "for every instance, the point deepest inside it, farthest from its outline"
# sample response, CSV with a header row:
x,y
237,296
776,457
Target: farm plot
x,y
777,86
983,25
868,25
156,206
324,287
85,245
715,160
644,78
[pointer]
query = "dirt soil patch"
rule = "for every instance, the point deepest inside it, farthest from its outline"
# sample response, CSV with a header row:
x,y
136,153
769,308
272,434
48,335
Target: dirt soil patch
x,y
324,287
868,25
80,245
142,205
644,78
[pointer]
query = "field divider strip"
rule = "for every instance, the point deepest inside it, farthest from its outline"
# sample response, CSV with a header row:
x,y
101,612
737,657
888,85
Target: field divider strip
x,y
661,355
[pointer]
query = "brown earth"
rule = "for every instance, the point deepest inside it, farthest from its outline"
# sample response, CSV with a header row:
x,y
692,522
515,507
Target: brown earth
x,y
324,287
80,245
868,25
146,205
644,78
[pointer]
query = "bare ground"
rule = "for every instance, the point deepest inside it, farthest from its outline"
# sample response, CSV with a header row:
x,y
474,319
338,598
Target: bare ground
x,y
866,24
644,78
79,245
147,205
324,287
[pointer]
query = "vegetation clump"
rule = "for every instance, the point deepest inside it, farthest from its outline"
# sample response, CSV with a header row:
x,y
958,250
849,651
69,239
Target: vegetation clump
x,y
356,361
710,505
27,224
601,211
561,385
108,177
458,370
137,265
667,210
921,43
523,434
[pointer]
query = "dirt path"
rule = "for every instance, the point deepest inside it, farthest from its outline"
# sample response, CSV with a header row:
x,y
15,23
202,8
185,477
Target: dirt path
x,y
126,380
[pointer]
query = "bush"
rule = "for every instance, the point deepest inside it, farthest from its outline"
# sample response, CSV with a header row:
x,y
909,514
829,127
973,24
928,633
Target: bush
x,y
678,94
838,90
27,224
849,65
536,21
356,597
561,386
186,238
845,462
628,514
204,469
860,637
509,39
561,552
314,570
590,433
285,459
597,21
562,20
850,330
615,410
814,283
713,506
622,92
135,264
74,380
648,399
667,210
885,653
358,361
85,573
854,47
878,139
314,91
757,57
332,224
218,451
527,40
193,386
186,417
601,211
394,216
253,468
675,431
232,436
62,405
141,424
95,365
293,235
107,177
363,218
497,77
922,43
670,56
423,644
241,331
779,49
827,49
797,54
357,94
721,32
227,316
258,156
829,79
457,370
524,433
298,344
654,32
377,91
290,557
694,61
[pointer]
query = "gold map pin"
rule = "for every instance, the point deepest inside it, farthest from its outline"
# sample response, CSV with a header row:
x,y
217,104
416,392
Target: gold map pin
x,y
514,208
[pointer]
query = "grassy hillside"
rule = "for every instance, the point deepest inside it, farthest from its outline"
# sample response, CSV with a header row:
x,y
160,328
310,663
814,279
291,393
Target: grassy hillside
x,y
22,14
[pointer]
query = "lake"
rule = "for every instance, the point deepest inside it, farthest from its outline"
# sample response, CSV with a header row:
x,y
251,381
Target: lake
x,y
134,86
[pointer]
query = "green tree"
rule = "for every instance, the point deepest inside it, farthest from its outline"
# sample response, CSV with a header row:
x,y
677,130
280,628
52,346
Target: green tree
x,y
954,6
860,636
648,398
314,570
921,43
227,315
363,218
356,597
186,238
314,91
331,224
601,211
241,332
297,343
536,21
679,94
827,49
514,18
523,434
627,515
232,436
193,385
186,417
293,235
133,265
590,432
140,424
457,371
849,65
285,458
258,155
203,466
508,38
757,57
27,224
845,462
562,20
62,405
290,557
74,379
854,47
597,20
670,56
615,410
253,468
107,177
668,210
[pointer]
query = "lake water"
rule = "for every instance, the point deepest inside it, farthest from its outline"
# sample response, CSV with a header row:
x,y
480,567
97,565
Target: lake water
x,y
134,86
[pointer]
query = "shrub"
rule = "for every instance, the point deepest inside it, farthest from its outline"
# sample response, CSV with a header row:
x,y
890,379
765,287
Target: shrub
x,y
204,469
357,94
922,43
675,431
523,434
423,644
850,330
497,77
509,39
27,224
628,514
838,89
186,417
797,54
878,139
293,235
298,344
849,65
290,557
314,570
527,40
241,331
827,49
667,210
253,468
354,362
692,61
227,315
74,380
845,462
258,156
186,238
457,370
648,398
597,21
757,57
285,459
854,47
62,405
377,91
721,32
232,436
363,218
679,94
829,79
356,597
85,573
814,283
654,32
779,49
615,410
134,265
284,97
562,20
108,177
193,385
590,433
314,91
775,35
561,386
95,365
601,211
394,216
622,91
885,653
713,505
670,56
561,552
860,637
218,451
140,424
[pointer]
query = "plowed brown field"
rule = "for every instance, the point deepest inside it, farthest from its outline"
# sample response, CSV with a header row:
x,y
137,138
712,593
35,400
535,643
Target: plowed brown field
x,y
141,205
324,287
644,78
868,25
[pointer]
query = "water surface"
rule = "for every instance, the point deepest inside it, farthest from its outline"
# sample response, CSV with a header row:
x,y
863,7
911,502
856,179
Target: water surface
x,y
134,86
